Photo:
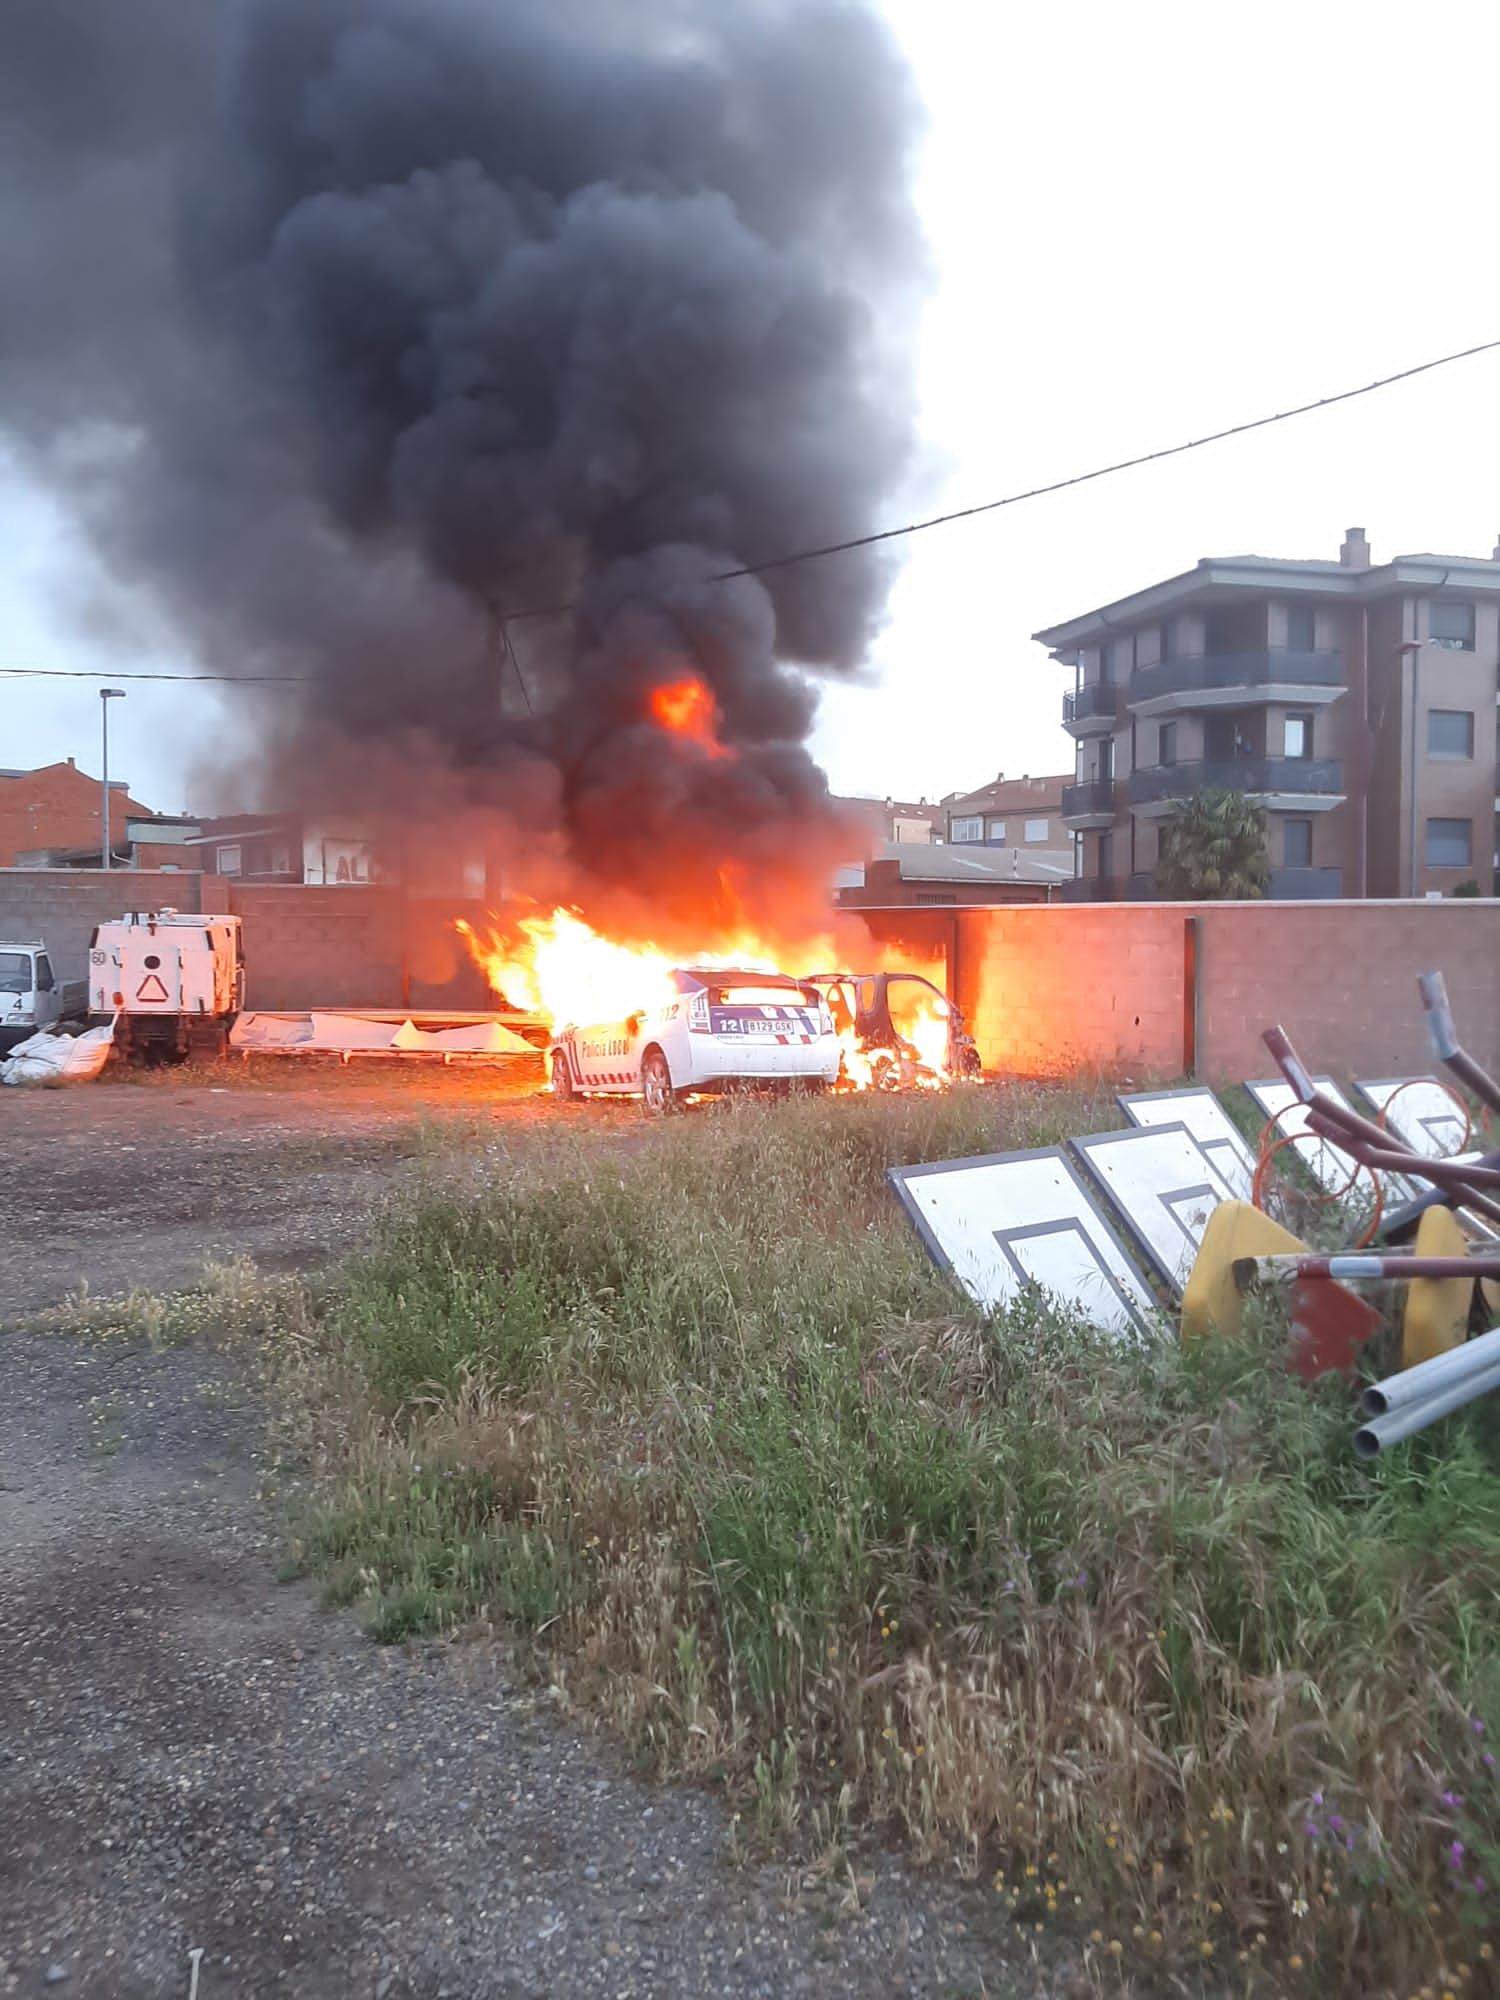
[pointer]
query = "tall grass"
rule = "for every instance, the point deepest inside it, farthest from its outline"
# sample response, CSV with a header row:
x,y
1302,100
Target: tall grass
x,y
702,1416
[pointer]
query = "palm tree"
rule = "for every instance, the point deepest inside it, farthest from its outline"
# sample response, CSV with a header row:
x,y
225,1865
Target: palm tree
x,y
1213,849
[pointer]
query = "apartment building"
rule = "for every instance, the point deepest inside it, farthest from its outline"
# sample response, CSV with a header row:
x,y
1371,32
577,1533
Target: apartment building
x,y
1009,812
1356,701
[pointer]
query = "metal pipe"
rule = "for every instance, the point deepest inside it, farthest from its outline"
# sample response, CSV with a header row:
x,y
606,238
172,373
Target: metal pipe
x,y
1355,1264
1445,1043
1380,1433
1415,1385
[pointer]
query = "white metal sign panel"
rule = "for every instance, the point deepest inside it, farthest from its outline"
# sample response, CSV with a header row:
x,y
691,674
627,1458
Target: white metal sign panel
x,y
1007,1220
1331,1169
1164,1186
1210,1124
1422,1112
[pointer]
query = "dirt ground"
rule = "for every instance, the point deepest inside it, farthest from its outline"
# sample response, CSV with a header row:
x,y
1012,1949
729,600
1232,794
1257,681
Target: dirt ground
x,y
194,1756
135,1181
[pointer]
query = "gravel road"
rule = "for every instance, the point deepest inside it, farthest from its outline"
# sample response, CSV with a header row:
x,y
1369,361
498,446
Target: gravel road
x,y
197,1756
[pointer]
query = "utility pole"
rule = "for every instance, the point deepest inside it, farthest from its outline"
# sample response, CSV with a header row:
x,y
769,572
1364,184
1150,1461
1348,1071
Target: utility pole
x,y
106,696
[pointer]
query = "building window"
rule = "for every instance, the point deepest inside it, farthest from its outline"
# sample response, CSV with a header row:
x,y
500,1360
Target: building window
x,y
1036,829
967,830
1218,634
1301,628
281,858
1298,738
1450,732
1167,744
1168,639
1451,625
228,860
1450,843
1296,849
997,830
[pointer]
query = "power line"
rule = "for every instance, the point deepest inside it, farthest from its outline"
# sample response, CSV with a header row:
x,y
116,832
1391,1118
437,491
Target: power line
x,y
508,618
113,674
1099,472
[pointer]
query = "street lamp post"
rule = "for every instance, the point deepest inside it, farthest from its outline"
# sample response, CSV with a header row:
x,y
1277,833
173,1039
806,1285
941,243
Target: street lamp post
x,y
106,696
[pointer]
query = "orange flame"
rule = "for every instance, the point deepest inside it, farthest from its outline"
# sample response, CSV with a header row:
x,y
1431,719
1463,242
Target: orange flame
x,y
686,708
559,967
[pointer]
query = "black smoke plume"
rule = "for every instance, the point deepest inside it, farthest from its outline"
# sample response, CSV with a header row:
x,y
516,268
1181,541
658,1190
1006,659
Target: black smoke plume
x,y
352,328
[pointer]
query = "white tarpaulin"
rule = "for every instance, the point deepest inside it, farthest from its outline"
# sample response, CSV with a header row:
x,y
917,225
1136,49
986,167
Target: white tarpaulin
x,y
49,1058
1002,1222
368,1034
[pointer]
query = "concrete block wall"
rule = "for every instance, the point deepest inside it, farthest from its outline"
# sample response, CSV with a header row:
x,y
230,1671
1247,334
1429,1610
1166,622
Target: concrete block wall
x,y
1069,986
1341,978
1105,986
62,905
351,947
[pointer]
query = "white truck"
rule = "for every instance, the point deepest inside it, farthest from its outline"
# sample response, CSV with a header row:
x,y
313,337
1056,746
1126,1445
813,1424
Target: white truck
x,y
172,983
32,997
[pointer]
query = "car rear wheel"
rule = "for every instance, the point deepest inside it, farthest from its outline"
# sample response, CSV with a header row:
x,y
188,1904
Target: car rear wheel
x,y
656,1083
563,1087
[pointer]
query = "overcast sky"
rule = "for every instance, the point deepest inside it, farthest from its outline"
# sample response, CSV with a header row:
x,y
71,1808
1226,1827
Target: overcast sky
x,y
1147,223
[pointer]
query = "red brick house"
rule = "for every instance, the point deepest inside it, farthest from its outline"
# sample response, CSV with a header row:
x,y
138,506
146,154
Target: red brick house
x,y
58,807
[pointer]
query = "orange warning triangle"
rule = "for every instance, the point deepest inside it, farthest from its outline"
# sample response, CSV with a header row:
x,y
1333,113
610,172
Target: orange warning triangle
x,y
151,988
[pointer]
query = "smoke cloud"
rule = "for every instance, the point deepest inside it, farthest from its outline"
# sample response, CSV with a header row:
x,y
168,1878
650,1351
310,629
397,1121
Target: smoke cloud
x,y
351,328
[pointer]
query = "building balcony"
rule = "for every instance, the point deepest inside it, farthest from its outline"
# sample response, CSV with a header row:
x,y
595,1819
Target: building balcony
x,y
1288,885
1236,680
1306,885
1088,889
1091,804
1093,709
1285,784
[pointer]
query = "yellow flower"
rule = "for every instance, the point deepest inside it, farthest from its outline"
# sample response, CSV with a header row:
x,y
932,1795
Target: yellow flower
x,y
1036,1927
1030,1870
1109,1840
1295,1961
1206,1948
1156,1937
918,1751
1139,1931
1051,1860
1096,1937
1216,1909
885,1631
1116,1947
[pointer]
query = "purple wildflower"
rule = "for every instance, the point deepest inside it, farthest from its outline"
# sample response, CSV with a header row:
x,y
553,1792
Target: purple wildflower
x,y
1311,1830
1450,1799
1479,1883
1083,1577
1336,1825
1456,1854
1478,1727
1349,1845
1317,1798
1489,1758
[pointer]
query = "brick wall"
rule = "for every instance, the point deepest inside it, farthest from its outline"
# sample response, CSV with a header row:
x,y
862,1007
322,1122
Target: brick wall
x,y
62,905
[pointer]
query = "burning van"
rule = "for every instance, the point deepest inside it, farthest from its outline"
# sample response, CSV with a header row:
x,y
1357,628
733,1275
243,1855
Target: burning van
x,y
707,1030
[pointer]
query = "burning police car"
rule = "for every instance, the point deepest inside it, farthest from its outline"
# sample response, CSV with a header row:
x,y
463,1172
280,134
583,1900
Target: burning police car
x,y
707,1030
